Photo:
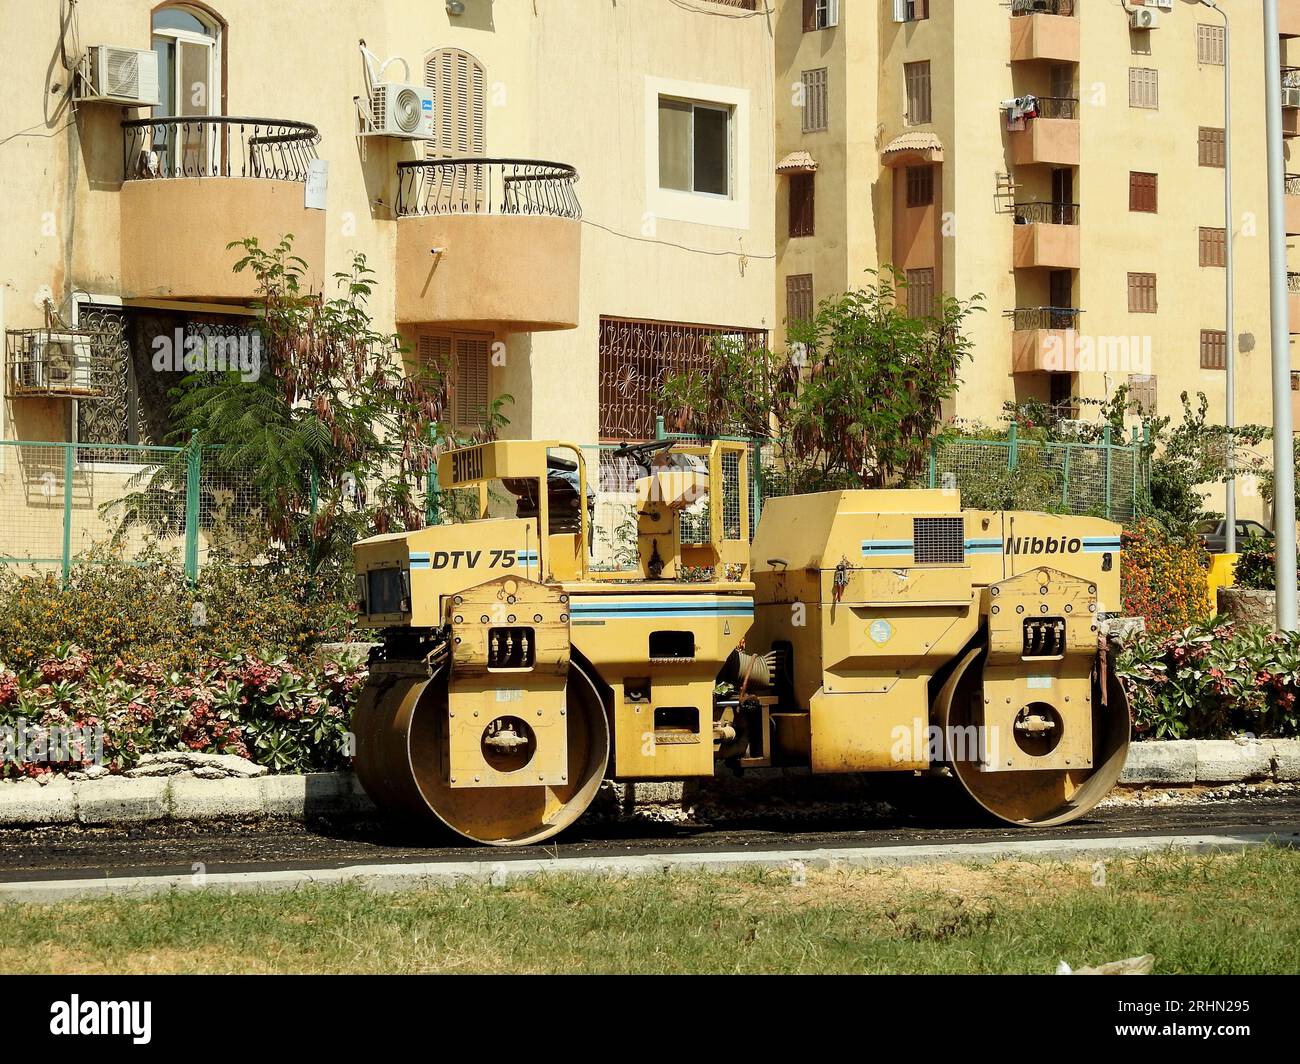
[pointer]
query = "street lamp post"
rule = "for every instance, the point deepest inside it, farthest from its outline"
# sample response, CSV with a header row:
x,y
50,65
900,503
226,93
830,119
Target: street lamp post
x,y
1230,406
1283,442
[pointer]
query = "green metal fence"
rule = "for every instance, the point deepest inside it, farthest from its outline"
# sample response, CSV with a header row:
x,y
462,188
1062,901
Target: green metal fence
x,y
1105,479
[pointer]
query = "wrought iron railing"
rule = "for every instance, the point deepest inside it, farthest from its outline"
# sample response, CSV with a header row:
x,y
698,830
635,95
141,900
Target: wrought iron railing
x,y
1042,7
1290,78
1293,282
1066,107
217,146
487,186
1027,318
1293,184
1047,213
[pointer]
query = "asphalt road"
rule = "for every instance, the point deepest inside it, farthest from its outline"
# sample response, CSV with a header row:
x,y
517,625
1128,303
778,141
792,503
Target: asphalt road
x,y
159,850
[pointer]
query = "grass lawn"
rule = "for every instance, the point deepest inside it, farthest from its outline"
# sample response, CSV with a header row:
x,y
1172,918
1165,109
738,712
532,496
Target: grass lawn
x,y
1195,914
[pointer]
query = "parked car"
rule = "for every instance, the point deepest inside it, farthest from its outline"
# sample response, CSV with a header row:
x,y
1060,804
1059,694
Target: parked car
x,y
1214,534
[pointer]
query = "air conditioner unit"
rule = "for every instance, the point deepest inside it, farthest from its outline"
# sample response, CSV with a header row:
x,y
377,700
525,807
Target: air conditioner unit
x,y
404,111
1144,18
1290,97
58,361
121,75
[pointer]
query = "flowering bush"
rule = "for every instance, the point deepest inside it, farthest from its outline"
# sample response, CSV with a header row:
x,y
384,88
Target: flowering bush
x,y
1164,578
1213,681
289,718
144,611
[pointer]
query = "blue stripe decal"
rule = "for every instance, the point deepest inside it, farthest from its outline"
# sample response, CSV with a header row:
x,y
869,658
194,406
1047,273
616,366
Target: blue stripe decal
x,y
887,547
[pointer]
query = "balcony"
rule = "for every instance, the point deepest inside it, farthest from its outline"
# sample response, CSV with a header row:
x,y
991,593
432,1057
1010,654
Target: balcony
x,y
1052,138
1046,235
1293,204
1293,300
488,243
1044,29
1044,339
1291,101
1288,18
191,186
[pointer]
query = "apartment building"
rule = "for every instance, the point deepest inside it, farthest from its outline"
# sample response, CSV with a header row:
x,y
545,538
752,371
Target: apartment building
x,y
561,201
1065,158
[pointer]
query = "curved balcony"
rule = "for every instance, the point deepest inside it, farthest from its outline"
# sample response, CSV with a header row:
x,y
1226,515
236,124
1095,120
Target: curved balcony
x,y
488,243
191,186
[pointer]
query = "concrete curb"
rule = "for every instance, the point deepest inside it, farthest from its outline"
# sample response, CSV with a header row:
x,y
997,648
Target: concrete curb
x,y
390,878
118,800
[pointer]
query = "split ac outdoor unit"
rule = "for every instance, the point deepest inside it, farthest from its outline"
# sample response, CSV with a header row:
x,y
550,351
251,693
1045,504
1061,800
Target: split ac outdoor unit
x,y
122,75
1144,18
58,360
404,111
1290,97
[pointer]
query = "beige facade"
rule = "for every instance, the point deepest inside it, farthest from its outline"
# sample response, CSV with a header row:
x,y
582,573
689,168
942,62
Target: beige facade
x,y
1082,292
575,84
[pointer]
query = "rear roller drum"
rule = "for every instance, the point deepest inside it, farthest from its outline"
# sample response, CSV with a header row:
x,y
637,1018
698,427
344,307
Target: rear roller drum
x,y
401,730
1036,799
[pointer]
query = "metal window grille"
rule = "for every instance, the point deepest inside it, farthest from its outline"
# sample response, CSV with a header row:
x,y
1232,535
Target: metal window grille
x,y
636,358
916,77
920,186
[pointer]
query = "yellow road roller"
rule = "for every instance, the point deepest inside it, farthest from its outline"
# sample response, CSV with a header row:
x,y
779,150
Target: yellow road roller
x,y
860,632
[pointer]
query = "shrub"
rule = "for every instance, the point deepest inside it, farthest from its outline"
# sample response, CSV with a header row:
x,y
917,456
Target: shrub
x,y
1164,578
1255,570
291,719
144,612
1213,681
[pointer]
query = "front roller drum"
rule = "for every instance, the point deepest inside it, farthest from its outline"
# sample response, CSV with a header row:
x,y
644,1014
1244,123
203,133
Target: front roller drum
x,y
1036,798
401,728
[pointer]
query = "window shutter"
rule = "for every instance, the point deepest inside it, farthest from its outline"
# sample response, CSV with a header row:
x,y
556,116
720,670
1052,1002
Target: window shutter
x,y
1214,247
1144,87
1142,395
815,101
471,380
799,297
920,293
1210,50
809,15
1212,147
1142,293
1143,192
1214,349
458,82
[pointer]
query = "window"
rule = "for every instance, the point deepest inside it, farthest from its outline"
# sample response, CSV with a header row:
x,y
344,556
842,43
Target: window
x,y
463,359
1143,192
1209,45
694,147
920,186
1214,349
803,212
916,77
1142,395
637,356
188,44
1212,149
799,305
458,82
815,101
911,10
820,14
1214,247
1141,293
1143,87
920,293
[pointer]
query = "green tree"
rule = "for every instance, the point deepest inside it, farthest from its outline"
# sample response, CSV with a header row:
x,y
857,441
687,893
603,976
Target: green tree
x,y
857,395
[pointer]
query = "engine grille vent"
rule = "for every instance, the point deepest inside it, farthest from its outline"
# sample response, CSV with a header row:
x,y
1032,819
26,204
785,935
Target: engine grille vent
x,y
939,540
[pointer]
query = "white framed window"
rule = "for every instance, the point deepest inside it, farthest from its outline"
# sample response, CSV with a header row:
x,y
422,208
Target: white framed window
x,y
698,155
695,153
188,44
826,14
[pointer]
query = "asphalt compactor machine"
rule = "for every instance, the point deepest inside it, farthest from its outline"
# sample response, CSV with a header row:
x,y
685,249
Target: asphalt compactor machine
x,y
861,632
